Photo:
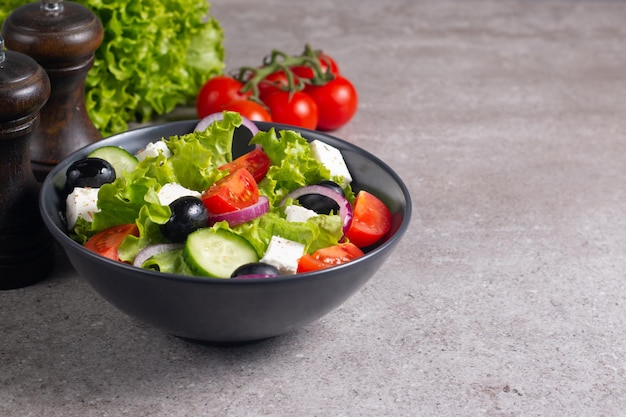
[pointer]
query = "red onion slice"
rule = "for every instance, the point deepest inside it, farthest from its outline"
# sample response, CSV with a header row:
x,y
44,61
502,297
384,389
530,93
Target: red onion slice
x,y
345,210
233,218
206,122
149,251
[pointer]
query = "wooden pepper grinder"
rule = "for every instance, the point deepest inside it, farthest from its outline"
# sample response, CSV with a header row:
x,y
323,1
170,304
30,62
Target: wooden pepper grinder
x,y
26,248
62,37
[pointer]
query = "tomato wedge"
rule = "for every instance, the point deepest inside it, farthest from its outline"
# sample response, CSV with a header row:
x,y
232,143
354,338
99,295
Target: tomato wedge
x,y
232,192
329,256
256,162
107,241
371,220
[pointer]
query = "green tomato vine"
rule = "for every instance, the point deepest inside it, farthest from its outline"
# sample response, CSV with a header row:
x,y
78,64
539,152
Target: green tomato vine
x,y
276,61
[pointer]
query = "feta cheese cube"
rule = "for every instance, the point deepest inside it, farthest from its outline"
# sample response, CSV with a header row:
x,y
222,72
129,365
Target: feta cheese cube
x,y
81,203
173,191
153,149
332,159
296,213
283,254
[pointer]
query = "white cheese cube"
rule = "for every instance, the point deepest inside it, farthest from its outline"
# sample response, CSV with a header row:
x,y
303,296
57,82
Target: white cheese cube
x,y
173,191
153,149
298,213
332,159
81,203
283,254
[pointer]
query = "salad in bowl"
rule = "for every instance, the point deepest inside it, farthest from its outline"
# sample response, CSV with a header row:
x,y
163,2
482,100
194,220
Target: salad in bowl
x,y
184,204
145,218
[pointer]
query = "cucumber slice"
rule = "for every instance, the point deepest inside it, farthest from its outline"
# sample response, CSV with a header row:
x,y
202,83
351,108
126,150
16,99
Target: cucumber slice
x,y
118,157
217,253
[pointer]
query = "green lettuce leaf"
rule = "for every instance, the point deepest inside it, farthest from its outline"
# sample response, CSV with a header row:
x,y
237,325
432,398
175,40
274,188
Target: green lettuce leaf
x,y
317,232
293,164
154,56
170,262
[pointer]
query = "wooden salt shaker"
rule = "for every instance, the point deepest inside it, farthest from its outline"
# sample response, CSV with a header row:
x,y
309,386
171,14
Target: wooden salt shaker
x,y
62,37
26,248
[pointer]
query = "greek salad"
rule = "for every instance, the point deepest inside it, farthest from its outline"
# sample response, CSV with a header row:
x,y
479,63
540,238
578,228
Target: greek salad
x,y
184,205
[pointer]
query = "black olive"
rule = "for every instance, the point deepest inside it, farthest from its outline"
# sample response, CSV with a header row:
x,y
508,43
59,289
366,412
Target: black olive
x,y
319,203
89,172
255,269
188,214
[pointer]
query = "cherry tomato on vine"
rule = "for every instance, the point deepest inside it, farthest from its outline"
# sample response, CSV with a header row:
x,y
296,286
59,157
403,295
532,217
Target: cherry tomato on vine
x,y
273,82
216,93
295,108
276,81
336,101
249,109
326,62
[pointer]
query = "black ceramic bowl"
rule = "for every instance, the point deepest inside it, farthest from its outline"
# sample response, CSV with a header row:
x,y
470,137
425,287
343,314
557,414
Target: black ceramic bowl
x,y
223,310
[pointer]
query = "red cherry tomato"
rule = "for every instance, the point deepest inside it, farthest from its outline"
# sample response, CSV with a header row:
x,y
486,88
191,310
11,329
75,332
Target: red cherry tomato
x,y
107,241
249,109
256,162
276,81
326,62
295,108
336,101
216,93
329,256
232,192
371,220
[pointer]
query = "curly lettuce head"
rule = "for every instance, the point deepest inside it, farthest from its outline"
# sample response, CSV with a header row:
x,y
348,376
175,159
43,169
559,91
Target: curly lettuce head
x,y
154,56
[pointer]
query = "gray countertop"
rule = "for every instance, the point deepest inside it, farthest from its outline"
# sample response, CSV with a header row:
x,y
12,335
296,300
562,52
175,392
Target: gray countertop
x,y
507,296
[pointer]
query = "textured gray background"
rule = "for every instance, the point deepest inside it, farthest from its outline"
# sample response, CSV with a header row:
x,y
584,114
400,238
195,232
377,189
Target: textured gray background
x,y
507,121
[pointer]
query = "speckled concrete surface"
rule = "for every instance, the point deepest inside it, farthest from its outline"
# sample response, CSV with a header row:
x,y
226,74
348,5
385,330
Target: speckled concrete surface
x,y
507,120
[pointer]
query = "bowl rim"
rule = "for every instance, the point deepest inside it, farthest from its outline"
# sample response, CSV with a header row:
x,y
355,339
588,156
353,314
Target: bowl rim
x,y
48,186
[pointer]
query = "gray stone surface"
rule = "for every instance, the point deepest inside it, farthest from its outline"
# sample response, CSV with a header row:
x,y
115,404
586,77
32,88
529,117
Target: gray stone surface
x,y
507,120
